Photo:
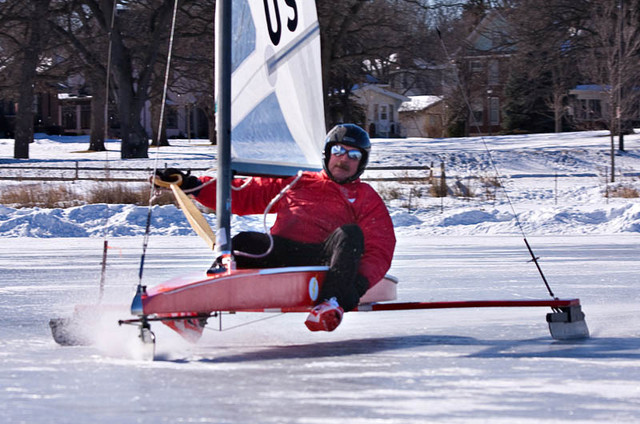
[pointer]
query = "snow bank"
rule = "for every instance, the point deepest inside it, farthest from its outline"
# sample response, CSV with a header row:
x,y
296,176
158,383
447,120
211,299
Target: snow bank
x,y
555,183
130,220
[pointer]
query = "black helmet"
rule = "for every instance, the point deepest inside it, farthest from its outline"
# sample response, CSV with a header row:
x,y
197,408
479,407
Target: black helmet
x,y
349,135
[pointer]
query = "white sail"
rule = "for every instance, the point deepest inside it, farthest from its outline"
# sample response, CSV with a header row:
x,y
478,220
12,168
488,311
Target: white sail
x,y
277,113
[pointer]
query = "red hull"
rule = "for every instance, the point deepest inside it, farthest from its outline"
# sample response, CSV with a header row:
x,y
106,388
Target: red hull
x,y
236,290
249,290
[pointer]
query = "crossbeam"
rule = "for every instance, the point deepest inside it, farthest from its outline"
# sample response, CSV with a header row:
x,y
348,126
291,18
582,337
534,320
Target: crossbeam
x,y
401,306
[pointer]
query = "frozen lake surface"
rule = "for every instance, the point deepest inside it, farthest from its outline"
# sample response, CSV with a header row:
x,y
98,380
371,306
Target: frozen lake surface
x,y
450,366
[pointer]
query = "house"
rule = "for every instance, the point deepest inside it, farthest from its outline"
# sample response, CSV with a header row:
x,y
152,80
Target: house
x,y
381,109
73,114
480,68
590,108
423,116
70,114
183,119
483,65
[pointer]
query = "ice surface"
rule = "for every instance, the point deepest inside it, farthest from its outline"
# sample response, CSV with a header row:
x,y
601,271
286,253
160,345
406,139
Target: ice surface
x,y
478,365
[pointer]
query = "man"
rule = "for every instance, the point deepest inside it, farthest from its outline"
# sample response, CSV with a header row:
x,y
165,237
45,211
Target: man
x,y
325,218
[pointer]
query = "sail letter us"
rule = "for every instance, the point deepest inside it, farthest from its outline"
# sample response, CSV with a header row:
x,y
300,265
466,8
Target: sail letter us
x,y
292,22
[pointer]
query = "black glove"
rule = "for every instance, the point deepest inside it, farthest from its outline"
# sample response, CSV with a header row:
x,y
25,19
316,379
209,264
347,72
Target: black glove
x,y
171,175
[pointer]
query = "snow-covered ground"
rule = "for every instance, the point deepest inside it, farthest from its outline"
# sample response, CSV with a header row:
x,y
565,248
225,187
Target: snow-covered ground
x,y
557,183
450,366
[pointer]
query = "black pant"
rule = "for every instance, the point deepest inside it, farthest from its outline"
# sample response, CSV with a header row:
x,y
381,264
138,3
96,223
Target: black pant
x,y
341,251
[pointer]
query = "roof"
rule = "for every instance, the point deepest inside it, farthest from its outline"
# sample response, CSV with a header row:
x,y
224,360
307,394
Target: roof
x,y
417,103
590,87
68,96
490,36
379,89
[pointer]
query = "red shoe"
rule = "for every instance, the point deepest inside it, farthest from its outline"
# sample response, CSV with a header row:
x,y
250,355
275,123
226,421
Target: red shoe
x,y
326,316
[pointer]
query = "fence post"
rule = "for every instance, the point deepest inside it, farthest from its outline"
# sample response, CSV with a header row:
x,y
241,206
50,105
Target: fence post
x,y
443,181
77,169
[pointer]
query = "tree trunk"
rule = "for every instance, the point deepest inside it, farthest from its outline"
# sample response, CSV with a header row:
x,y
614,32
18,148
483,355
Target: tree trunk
x,y
98,124
210,114
212,129
557,111
24,118
132,75
158,139
135,142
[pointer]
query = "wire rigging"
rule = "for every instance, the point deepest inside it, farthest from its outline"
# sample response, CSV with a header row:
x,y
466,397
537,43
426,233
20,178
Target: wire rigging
x,y
534,258
147,230
235,327
264,218
105,242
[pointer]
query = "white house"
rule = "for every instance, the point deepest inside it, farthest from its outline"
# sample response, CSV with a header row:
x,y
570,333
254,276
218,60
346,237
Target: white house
x,y
381,109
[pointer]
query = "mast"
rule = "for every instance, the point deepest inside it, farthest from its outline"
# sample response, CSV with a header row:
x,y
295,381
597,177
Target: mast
x,y
223,120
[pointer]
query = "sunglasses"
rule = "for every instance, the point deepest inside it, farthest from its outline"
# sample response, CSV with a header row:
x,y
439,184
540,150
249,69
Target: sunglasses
x,y
338,150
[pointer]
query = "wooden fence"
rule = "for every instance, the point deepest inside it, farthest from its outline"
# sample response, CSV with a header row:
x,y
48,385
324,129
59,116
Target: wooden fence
x,y
119,174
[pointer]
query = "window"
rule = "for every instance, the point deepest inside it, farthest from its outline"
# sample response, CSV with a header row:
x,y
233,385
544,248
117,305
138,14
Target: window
x,y
391,113
582,109
383,113
595,109
494,111
375,112
494,74
589,109
476,66
172,118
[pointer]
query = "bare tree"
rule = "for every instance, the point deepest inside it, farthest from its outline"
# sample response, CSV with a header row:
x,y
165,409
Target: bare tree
x,y
192,73
547,48
24,32
628,97
88,49
613,59
360,38
138,39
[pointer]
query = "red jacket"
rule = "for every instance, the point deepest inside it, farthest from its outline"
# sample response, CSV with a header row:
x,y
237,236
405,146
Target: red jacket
x,y
313,208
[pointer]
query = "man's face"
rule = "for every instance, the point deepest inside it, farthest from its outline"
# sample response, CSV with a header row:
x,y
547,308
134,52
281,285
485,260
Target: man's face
x,y
342,167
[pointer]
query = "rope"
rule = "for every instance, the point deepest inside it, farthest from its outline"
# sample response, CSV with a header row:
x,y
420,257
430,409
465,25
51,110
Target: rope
x,y
105,242
106,103
534,258
234,327
191,190
152,195
264,219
